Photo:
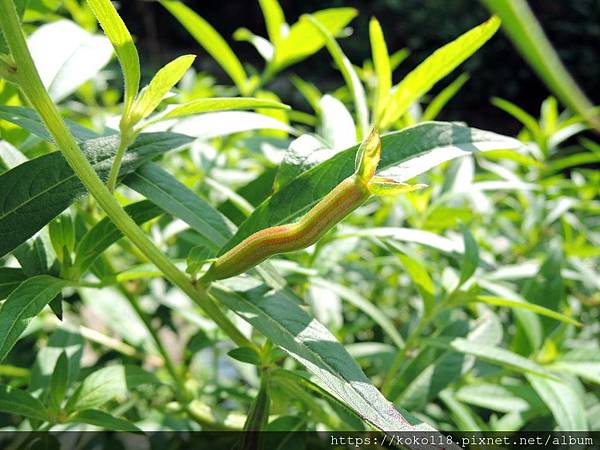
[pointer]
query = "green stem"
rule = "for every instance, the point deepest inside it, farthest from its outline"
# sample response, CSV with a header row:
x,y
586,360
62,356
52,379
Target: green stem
x,y
410,343
126,139
33,88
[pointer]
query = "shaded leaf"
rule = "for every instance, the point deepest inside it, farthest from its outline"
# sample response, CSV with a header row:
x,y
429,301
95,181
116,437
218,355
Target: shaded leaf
x,y
40,189
22,305
16,401
103,420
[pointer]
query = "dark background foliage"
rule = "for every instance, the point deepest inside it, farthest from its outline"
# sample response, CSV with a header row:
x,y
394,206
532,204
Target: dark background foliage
x,y
422,26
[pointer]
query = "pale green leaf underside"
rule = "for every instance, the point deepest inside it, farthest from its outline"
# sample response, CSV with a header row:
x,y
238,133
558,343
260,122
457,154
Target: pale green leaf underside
x,y
311,344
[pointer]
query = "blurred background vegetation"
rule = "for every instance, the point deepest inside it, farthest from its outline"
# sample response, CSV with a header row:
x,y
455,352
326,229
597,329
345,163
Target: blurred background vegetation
x,y
421,26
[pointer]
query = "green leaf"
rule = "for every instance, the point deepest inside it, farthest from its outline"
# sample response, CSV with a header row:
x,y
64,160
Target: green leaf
x,y
43,187
434,68
520,304
105,233
419,275
509,398
119,37
15,401
352,297
29,120
106,384
210,40
302,41
440,100
350,77
61,341
22,305
203,105
10,279
303,153
527,35
492,354
66,56
526,119
163,189
470,259
383,69
223,123
405,154
274,19
246,355
310,343
62,236
160,85
565,403
59,380
103,420
583,362
197,258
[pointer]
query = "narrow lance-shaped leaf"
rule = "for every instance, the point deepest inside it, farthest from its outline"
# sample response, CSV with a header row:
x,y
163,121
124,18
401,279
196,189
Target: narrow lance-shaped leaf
x,y
311,344
210,40
103,420
10,279
119,36
105,233
168,193
383,69
528,36
16,401
274,19
203,105
470,259
350,77
164,80
40,189
440,100
22,305
434,68
521,304
563,401
302,41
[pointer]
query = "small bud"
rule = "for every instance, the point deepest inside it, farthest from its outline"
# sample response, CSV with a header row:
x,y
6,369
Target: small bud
x,y
367,157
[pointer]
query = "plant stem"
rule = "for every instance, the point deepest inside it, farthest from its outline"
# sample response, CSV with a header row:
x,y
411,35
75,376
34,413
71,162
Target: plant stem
x,y
33,88
125,141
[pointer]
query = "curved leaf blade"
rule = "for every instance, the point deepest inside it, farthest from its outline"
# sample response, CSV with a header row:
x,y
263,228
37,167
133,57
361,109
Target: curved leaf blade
x,y
40,189
119,37
163,189
103,420
434,68
22,305
210,40
16,401
311,344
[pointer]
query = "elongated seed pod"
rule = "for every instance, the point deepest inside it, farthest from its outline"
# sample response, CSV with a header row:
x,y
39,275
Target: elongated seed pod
x,y
341,201
331,209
